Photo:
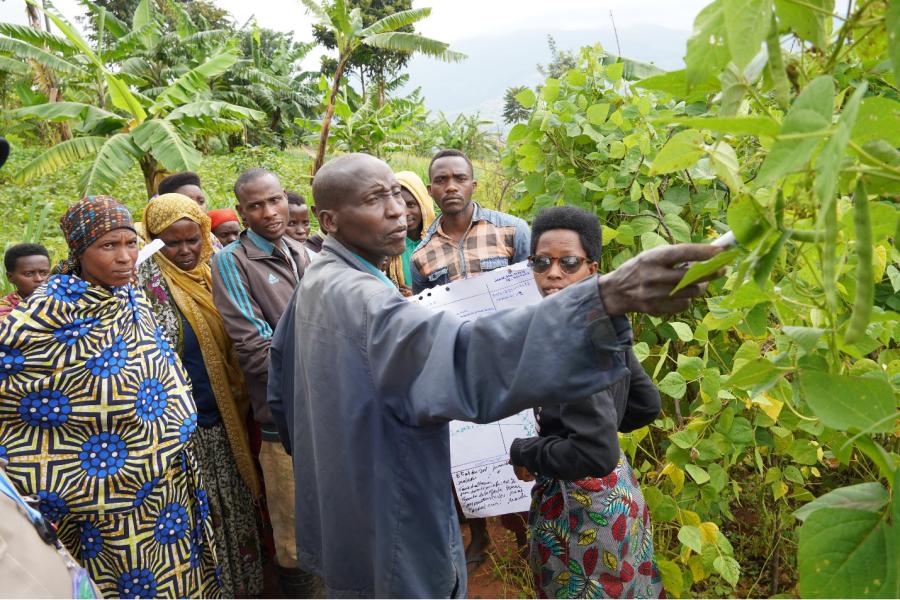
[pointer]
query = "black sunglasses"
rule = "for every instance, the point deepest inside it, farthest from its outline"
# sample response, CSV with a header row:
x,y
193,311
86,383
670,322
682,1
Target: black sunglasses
x,y
568,264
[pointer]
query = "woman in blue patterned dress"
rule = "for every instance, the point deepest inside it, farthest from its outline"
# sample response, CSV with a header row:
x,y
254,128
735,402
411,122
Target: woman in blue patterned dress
x,y
589,526
96,415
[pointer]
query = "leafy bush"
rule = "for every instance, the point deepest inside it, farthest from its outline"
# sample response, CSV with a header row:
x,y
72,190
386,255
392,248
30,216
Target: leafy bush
x,y
762,425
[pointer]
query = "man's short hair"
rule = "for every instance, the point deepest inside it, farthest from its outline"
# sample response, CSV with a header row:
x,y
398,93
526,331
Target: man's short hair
x,y
451,152
14,253
296,199
582,222
176,180
249,176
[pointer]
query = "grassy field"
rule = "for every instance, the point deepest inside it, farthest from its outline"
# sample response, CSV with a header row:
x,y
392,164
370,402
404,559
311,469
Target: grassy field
x,y
31,212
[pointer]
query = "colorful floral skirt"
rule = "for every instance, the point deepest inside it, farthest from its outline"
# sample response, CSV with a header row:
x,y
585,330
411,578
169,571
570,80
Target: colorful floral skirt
x,y
160,549
235,517
592,538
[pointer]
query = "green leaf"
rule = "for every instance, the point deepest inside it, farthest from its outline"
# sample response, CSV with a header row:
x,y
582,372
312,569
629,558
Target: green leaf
x,y
847,553
59,156
143,15
641,351
186,88
684,439
596,113
673,384
754,373
746,27
161,139
526,98
11,65
681,151
395,21
673,580
550,90
37,38
682,330
807,23
698,474
90,116
725,164
870,496
698,271
843,402
675,84
746,219
706,50
828,165
690,367
809,115
759,126
26,51
892,26
113,161
689,535
805,337
651,239
122,97
728,568
878,118
413,42
207,109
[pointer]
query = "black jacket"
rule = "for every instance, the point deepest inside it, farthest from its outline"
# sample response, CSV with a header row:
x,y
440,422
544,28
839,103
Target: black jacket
x,y
579,439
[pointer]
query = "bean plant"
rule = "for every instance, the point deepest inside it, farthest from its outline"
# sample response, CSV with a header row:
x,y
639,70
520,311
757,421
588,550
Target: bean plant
x,y
773,467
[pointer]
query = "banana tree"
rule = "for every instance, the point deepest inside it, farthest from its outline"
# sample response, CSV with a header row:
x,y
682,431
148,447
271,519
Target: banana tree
x,y
121,126
349,33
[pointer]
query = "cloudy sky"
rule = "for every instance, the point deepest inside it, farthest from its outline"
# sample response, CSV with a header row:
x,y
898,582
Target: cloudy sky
x,y
504,39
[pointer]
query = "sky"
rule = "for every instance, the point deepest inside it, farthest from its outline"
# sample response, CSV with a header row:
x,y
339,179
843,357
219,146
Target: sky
x,y
504,39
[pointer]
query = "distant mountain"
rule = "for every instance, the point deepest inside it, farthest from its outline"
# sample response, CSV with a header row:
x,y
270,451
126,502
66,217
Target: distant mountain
x,y
496,63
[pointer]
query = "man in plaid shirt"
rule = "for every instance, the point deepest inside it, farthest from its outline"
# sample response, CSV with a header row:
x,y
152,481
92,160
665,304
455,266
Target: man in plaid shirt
x,y
466,239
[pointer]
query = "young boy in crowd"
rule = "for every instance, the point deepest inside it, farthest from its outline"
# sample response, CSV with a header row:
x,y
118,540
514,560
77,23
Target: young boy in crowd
x,y
225,225
298,217
27,267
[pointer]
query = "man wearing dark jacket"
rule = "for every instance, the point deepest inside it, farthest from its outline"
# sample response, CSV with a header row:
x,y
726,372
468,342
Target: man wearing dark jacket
x,y
253,279
367,382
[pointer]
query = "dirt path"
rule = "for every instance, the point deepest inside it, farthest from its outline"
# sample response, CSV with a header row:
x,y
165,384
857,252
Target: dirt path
x,y
504,574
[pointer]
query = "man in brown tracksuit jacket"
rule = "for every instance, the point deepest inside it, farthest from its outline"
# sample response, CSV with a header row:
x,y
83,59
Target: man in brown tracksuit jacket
x,y
253,279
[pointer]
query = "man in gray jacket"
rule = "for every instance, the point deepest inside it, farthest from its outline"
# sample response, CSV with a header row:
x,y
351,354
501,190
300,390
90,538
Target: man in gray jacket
x,y
364,383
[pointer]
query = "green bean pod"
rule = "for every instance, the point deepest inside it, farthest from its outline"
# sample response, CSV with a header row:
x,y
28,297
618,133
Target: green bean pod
x,y
829,253
780,83
865,284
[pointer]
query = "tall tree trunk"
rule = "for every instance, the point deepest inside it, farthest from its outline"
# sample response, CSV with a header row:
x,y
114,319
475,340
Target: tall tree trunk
x,y
329,113
152,173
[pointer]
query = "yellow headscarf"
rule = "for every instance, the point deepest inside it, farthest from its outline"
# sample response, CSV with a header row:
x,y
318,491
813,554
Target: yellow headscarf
x,y
192,292
414,185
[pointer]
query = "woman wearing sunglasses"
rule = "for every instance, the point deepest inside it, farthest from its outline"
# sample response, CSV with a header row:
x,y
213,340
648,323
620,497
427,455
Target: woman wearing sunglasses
x,y
590,527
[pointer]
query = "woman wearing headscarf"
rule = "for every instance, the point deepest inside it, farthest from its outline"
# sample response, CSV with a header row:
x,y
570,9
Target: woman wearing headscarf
x,y
178,284
419,217
96,418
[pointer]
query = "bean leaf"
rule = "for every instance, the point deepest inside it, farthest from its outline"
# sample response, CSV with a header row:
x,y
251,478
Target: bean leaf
x,y
700,270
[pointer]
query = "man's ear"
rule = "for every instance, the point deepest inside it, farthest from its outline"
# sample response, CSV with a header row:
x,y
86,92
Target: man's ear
x,y
474,185
328,220
315,211
429,192
237,208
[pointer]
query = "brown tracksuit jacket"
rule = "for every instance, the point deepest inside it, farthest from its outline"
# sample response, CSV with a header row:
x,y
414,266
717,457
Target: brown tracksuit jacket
x,y
252,284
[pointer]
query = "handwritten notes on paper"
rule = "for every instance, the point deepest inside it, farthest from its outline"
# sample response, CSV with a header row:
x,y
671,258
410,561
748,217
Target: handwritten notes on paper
x,y
507,287
479,454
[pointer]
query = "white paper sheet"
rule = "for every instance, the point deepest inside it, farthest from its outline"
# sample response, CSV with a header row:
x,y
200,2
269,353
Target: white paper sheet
x,y
479,457
479,454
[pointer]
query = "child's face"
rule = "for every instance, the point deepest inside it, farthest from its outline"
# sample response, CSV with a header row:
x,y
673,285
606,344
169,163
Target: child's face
x,y
29,274
554,245
227,232
298,222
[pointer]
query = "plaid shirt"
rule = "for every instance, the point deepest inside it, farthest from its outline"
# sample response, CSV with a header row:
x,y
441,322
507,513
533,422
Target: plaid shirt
x,y
493,240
